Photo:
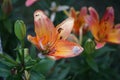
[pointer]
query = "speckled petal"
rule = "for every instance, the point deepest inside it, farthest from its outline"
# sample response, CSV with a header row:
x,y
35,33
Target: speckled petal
x,y
64,29
65,49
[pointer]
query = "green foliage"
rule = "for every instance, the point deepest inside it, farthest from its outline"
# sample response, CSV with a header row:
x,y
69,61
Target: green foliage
x,y
4,69
37,76
92,63
44,65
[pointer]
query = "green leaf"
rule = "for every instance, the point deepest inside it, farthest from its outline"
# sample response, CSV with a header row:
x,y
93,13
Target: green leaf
x,y
62,69
44,65
30,63
6,62
102,51
8,59
92,63
63,73
33,51
14,77
4,72
36,76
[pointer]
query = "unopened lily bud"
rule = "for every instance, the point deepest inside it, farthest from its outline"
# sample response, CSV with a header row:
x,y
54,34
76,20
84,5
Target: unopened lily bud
x,y
20,29
89,46
26,52
6,6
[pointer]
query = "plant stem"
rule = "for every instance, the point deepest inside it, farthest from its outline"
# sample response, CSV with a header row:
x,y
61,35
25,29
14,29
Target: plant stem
x,y
21,51
81,34
66,13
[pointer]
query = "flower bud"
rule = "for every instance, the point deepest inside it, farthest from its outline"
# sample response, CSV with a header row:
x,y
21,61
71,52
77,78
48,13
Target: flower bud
x,y
26,52
6,6
89,46
20,29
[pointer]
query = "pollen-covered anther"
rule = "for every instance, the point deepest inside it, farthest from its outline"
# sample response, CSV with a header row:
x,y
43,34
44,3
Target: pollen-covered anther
x,y
77,50
59,30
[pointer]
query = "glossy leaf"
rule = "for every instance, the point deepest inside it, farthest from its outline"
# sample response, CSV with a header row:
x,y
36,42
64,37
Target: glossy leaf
x,y
44,65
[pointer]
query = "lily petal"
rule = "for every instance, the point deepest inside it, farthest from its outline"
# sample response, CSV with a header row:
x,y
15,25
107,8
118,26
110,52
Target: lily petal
x,y
33,40
83,12
65,28
79,19
44,27
108,18
73,13
73,38
99,44
66,49
29,2
93,22
63,7
94,14
114,35
117,26
53,4
52,17
93,26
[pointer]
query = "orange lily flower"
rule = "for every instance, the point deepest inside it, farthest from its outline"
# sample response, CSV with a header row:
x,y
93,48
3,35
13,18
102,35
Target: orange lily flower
x,y
79,19
103,30
52,41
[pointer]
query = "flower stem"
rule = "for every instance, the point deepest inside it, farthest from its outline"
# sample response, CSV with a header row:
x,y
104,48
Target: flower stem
x,y
81,34
66,13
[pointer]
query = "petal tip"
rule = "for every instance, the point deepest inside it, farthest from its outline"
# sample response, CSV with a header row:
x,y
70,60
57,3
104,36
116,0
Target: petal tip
x,y
77,50
29,37
28,3
110,10
99,45
38,14
90,8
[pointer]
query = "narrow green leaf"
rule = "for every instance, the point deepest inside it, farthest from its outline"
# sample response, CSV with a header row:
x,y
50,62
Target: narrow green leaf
x,y
8,59
33,51
63,73
92,63
36,76
4,71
